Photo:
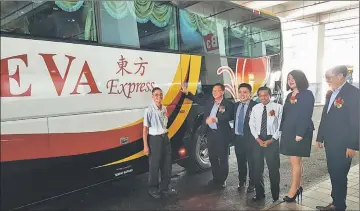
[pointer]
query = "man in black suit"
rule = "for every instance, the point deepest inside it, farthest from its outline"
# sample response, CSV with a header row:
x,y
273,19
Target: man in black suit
x,y
217,114
243,140
339,131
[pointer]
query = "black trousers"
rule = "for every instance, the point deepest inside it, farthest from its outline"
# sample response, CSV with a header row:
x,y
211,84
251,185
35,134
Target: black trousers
x,y
338,167
159,160
218,155
272,156
244,155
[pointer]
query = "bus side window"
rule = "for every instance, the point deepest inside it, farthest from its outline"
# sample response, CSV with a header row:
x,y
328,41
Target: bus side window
x,y
52,19
199,28
146,26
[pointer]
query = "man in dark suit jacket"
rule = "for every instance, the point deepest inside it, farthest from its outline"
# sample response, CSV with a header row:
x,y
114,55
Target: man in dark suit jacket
x,y
217,114
243,140
339,131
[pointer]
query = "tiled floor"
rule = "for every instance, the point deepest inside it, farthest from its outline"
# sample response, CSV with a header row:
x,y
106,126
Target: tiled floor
x,y
319,194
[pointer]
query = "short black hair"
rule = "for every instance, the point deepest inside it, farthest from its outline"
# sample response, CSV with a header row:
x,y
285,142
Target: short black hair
x,y
301,81
246,85
154,89
263,88
221,86
340,69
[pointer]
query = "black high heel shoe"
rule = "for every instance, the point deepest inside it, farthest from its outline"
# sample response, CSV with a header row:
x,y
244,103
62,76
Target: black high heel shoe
x,y
297,194
300,192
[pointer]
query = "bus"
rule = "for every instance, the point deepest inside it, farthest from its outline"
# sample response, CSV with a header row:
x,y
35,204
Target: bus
x,y
76,77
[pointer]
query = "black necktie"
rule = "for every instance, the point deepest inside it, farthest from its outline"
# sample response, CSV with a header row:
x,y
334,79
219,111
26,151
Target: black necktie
x,y
263,131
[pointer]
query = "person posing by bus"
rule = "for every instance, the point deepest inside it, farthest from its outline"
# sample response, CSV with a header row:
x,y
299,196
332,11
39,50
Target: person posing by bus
x,y
265,119
339,132
217,114
243,141
297,128
157,146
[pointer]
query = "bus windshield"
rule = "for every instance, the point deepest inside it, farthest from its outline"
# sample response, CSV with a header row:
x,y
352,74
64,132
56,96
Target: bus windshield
x,y
214,27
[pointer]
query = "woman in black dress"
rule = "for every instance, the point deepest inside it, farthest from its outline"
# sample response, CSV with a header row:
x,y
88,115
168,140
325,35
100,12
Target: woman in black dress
x,y
297,128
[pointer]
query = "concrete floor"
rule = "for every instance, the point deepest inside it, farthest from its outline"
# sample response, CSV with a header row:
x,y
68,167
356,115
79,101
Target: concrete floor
x,y
131,193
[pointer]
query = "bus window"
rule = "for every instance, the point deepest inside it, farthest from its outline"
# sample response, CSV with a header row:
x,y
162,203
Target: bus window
x,y
251,35
199,27
132,23
52,19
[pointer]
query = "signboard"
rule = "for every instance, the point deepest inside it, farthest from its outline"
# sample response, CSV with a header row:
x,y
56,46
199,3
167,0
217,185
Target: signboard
x,y
211,42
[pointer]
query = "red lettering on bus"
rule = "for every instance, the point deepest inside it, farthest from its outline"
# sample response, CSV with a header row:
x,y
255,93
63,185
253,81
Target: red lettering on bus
x,y
90,80
112,86
5,76
54,71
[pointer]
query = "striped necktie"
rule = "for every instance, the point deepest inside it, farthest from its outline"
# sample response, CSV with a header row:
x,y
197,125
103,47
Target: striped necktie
x,y
263,131
241,119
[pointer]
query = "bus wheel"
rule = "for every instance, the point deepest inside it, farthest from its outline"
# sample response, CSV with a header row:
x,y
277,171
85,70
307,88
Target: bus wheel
x,y
198,159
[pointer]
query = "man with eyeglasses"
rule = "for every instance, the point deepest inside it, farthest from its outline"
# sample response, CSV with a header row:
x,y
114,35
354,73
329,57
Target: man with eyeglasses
x,y
339,132
157,146
217,114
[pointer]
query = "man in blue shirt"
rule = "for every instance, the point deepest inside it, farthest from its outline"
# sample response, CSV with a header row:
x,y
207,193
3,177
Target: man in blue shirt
x,y
218,112
243,140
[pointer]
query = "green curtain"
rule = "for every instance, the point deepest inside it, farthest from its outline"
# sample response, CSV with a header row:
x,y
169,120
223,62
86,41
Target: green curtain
x,y
157,12
173,34
119,9
196,22
144,10
72,6
69,6
160,14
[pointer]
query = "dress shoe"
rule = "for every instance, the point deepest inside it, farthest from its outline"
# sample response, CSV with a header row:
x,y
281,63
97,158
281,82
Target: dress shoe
x,y
216,184
250,189
258,198
155,194
169,192
211,183
221,185
329,207
275,199
240,186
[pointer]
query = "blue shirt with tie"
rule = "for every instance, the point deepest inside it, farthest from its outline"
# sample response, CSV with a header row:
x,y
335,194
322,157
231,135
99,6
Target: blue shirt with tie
x,y
213,113
333,96
240,119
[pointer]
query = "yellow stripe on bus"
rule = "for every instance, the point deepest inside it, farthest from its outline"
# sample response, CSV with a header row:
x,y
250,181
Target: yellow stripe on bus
x,y
182,71
195,64
132,157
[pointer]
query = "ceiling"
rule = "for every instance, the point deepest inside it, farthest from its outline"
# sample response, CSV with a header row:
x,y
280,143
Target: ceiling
x,y
341,18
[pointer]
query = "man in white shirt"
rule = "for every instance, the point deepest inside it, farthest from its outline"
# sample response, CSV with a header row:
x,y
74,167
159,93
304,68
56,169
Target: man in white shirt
x,y
264,124
157,146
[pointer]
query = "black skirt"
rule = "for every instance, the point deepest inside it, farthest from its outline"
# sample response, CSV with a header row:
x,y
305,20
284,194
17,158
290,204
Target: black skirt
x,y
290,147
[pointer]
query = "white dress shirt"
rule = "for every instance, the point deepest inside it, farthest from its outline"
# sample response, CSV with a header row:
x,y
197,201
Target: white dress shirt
x,y
156,120
273,122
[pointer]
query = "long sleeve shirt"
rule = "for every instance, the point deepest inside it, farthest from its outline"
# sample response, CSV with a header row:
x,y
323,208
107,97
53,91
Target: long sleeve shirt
x,y
274,112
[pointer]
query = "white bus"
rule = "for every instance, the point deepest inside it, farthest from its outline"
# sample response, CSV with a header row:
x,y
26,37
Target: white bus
x,y
77,75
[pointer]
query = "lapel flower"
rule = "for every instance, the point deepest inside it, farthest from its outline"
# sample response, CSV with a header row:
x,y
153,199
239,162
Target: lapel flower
x,y
221,109
339,102
272,113
293,99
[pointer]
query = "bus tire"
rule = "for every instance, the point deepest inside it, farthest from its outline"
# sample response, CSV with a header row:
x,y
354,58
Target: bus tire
x,y
198,159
